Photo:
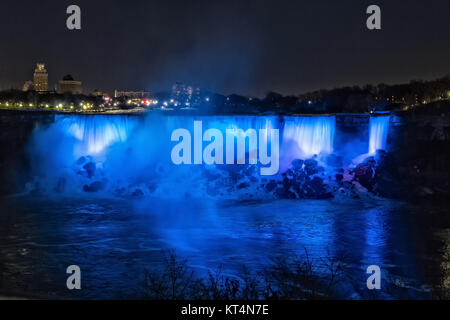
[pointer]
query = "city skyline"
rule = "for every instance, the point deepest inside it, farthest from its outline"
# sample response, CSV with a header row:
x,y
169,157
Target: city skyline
x,y
244,48
70,85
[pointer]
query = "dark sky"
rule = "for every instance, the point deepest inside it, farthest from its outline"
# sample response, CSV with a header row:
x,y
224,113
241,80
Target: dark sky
x,y
233,46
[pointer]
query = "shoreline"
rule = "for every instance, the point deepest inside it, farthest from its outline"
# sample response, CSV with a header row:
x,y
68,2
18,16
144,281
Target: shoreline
x,y
184,112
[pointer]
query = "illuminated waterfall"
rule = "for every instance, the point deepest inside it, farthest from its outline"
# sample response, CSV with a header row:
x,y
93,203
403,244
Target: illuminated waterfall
x,y
312,135
378,130
96,133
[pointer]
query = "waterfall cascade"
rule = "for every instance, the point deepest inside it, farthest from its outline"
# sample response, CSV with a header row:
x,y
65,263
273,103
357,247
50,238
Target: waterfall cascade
x,y
96,133
301,137
378,133
121,152
312,135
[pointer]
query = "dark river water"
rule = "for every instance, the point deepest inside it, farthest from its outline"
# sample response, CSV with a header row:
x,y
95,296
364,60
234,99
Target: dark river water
x,y
102,193
114,241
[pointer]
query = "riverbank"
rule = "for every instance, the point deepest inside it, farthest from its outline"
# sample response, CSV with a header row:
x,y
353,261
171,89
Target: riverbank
x,y
70,112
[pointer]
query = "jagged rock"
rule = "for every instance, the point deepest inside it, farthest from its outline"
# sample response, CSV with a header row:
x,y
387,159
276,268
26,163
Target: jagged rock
x,y
138,193
271,186
95,186
388,180
90,168
316,189
242,185
311,167
365,173
297,164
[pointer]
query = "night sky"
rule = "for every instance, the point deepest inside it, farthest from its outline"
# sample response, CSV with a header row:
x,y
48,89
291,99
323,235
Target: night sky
x,y
233,46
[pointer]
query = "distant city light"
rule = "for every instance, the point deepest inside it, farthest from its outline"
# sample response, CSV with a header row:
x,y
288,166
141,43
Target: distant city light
x,y
207,99
165,103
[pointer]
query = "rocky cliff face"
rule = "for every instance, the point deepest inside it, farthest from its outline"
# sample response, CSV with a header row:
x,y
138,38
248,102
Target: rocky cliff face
x,y
419,152
15,131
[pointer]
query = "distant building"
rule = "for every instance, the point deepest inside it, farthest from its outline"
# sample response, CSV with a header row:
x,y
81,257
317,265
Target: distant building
x,y
131,94
69,85
40,78
179,93
183,95
196,97
97,93
28,86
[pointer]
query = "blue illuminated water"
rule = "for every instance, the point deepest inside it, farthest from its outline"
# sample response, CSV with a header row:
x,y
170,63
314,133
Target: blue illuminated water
x,y
114,237
312,135
379,128
114,241
95,134
127,150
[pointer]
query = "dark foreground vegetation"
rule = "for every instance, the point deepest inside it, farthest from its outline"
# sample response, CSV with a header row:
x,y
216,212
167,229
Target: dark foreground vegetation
x,y
297,278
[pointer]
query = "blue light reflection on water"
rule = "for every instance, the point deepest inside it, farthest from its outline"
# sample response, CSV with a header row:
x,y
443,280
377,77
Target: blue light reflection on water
x,y
104,233
115,240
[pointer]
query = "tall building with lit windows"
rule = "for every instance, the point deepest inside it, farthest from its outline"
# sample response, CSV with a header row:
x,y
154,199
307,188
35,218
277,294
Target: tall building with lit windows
x,y
40,79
